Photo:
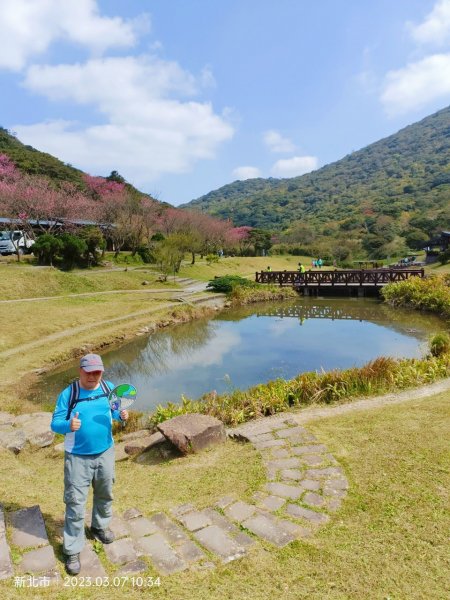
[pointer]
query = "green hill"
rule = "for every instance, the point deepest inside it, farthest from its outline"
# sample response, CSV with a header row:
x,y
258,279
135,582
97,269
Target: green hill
x,y
377,201
34,162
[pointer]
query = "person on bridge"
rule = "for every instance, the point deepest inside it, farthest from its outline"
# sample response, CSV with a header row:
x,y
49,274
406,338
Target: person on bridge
x,y
83,415
269,269
301,268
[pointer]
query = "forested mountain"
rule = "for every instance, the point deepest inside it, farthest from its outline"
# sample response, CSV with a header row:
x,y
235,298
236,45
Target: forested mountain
x,y
378,201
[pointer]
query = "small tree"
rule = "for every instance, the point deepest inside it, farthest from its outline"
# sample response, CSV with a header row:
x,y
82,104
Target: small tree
x,y
261,241
73,250
169,253
94,240
46,248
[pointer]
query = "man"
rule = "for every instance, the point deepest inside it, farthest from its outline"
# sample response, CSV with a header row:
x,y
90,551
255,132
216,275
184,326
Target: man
x,y
301,268
86,422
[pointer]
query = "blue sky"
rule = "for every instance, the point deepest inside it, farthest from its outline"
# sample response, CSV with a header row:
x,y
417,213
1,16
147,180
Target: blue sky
x,y
184,96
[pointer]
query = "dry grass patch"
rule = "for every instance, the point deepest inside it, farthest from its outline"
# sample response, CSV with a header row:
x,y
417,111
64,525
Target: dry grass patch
x,y
26,281
42,318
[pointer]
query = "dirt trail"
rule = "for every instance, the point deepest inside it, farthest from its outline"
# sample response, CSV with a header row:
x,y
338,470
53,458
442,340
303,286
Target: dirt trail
x,y
162,291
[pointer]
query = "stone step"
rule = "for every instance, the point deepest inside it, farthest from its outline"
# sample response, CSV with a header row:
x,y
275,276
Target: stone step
x,y
28,527
305,484
214,532
28,533
6,567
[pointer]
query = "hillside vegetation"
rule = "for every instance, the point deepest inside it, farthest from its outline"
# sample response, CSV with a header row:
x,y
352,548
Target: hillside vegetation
x,y
378,201
31,161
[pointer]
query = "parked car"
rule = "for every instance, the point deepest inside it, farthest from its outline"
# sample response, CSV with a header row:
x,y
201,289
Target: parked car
x,y
15,242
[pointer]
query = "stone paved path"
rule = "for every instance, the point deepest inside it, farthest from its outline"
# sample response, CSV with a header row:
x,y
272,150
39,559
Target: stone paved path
x,y
304,487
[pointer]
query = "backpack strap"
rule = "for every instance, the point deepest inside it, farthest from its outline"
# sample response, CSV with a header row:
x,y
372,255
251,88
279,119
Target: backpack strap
x,y
73,399
105,387
75,394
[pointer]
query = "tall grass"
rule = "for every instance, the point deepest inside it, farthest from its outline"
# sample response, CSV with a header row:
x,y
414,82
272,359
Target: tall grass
x,y
379,376
247,295
431,294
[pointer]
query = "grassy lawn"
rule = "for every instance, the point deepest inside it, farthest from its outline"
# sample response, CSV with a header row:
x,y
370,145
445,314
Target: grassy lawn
x,y
388,541
245,266
438,269
28,281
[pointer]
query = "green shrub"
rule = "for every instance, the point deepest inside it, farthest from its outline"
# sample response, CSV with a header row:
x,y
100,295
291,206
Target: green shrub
x,y
440,344
212,258
95,241
145,253
47,248
431,294
444,257
261,293
227,283
73,250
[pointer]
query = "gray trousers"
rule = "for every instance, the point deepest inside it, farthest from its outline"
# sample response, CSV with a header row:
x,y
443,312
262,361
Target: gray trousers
x,y
79,472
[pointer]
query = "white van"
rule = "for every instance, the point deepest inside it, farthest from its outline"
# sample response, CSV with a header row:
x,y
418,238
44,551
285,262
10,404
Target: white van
x,y
15,242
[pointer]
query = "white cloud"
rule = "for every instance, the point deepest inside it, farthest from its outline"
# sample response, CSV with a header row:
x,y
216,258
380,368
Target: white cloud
x,y
246,173
295,166
28,27
436,27
417,84
276,142
147,130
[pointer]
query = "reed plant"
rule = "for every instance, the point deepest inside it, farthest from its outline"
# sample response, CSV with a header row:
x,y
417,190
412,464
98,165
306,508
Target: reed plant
x,y
431,294
247,295
379,376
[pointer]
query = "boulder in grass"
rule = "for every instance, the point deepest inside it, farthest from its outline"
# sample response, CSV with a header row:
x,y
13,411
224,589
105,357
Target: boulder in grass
x,y
143,443
14,440
193,432
6,420
37,429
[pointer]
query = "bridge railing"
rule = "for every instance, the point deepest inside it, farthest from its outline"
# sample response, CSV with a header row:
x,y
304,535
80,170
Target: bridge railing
x,y
348,277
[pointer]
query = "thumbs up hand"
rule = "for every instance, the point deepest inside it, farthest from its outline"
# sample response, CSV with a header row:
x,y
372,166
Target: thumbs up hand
x,y
75,423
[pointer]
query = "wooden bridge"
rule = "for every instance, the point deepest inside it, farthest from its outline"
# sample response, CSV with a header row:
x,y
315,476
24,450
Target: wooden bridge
x,y
350,279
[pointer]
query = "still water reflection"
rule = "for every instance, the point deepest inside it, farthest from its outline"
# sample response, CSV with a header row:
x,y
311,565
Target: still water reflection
x,y
249,345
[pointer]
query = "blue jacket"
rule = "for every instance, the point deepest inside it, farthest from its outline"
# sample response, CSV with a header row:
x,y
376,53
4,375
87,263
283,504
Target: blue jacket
x,y
95,414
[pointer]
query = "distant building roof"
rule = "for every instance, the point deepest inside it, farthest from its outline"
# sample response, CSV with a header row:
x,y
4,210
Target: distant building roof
x,y
47,223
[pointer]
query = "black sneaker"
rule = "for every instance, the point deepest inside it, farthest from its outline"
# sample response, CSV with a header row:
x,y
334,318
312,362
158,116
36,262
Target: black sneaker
x,y
73,565
105,536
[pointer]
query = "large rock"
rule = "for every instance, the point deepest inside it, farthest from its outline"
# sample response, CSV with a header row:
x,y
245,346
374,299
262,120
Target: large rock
x,y
37,429
14,440
6,419
193,432
143,442
31,427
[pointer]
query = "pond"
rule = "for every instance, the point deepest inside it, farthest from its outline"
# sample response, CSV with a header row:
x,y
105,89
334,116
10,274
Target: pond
x,y
242,347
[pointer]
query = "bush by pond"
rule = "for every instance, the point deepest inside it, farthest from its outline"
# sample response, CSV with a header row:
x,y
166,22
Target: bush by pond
x,y
431,294
227,283
379,376
244,291
262,293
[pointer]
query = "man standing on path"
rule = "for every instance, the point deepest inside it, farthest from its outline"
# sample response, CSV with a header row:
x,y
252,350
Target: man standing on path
x,y
83,415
